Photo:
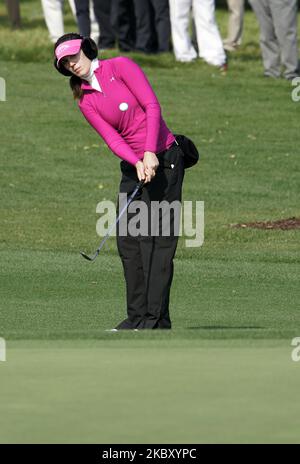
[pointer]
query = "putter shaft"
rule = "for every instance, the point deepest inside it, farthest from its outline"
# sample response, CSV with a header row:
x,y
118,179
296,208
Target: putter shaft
x,y
92,258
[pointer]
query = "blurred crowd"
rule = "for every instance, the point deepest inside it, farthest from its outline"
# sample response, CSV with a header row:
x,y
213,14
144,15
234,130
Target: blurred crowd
x,y
188,27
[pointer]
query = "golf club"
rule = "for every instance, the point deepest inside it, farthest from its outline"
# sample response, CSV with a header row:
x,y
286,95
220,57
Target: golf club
x,y
92,258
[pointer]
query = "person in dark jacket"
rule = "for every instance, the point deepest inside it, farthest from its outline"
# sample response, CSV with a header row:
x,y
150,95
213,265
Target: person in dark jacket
x,y
153,28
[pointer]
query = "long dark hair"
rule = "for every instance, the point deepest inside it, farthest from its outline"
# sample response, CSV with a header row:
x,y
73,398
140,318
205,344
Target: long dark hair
x,y
89,48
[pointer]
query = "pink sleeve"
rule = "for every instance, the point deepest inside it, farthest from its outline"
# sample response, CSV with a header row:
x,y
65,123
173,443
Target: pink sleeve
x,y
114,141
134,78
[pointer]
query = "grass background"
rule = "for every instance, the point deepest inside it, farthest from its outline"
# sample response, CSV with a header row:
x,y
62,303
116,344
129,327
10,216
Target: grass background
x,y
234,301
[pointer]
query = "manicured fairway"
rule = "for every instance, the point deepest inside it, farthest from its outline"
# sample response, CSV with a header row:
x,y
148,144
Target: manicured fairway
x,y
47,295
224,373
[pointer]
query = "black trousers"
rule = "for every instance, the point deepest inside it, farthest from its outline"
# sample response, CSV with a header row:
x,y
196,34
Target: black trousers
x,y
153,27
123,22
148,259
102,9
83,17
13,8
118,18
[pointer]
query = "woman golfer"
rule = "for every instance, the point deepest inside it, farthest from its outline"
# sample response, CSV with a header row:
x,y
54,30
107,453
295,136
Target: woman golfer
x,y
116,98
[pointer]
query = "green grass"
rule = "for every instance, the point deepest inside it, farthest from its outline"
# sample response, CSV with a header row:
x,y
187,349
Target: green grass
x,y
57,295
159,392
224,372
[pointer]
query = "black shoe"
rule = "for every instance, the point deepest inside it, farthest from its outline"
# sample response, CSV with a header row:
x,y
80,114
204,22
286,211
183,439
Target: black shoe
x,y
291,77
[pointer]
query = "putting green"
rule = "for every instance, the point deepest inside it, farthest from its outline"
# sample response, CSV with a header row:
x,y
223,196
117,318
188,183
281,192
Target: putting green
x,y
149,392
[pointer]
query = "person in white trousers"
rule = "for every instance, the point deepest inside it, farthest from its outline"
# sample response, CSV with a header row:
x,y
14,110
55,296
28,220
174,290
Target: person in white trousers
x,y
235,24
208,36
53,13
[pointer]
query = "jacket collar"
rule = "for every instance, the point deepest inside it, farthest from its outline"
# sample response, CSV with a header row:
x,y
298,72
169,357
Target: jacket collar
x,y
96,66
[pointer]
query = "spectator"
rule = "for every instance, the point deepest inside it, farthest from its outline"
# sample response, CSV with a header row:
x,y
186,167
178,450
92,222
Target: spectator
x,y
208,36
116,23
53,13
123,22
278,36
87,24
13,9
235,24
153,29
103,10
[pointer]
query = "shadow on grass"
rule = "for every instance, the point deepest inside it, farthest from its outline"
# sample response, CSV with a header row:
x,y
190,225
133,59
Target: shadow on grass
x,y
4,22
38,22
249,52
221,327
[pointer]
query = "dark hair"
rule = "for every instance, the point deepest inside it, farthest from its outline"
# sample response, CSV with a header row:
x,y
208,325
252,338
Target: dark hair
x,y
89,48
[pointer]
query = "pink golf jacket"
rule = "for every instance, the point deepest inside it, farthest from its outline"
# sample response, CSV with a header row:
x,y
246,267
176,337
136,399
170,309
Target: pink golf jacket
x,y
126,114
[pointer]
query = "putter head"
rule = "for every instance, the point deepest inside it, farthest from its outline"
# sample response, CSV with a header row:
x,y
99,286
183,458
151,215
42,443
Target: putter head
x,y
86,256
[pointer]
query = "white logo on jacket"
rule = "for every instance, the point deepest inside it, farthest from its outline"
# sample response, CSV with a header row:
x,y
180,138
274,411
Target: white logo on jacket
x,y
123,106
